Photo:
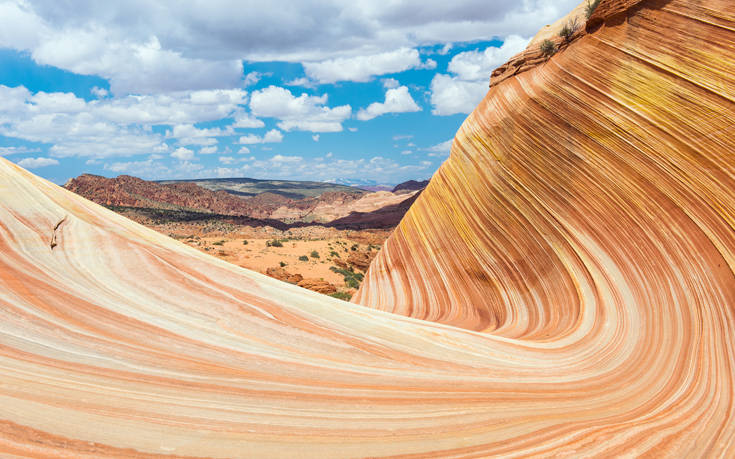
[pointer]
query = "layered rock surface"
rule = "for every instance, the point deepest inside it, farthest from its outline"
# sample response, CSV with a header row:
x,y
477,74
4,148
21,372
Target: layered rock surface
x,y
584,224
134,192
587,213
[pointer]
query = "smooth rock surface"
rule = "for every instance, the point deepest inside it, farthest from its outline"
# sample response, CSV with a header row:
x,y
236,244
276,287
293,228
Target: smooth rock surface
x,y
573,260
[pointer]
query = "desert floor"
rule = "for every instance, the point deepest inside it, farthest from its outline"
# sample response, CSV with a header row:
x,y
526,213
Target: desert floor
x,y
253,248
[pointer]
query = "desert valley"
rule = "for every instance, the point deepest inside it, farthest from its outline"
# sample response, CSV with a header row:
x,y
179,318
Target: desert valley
x,y
319,236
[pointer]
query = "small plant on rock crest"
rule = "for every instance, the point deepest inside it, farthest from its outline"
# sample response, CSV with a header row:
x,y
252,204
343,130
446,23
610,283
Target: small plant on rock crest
x,y
568,30
591,7
548,48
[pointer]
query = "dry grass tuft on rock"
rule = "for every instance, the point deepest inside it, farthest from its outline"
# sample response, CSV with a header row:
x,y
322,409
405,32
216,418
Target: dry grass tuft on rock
x,y
569,29
548,48
591,7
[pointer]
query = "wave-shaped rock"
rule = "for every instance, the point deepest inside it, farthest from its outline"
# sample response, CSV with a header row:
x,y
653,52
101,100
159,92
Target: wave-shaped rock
x,y
587,211
584,222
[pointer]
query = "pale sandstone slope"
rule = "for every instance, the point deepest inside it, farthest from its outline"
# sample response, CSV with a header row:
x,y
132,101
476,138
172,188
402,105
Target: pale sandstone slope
x,y
584,223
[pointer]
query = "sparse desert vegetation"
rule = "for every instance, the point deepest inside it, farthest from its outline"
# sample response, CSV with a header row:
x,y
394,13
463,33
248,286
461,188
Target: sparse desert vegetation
x,y
316,257
548,48
591,7
570,27
256,224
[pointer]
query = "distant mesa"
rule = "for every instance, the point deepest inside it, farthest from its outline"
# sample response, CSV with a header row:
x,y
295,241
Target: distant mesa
x,y
282,201
127,191
411,185
376,187
385,217
248,187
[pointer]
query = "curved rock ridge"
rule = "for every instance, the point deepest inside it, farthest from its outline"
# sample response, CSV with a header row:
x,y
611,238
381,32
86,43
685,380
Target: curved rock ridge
x,y
584,223
588,206
119,341
607,11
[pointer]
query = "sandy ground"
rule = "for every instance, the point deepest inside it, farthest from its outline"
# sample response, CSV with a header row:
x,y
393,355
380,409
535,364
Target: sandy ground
x,y
256,255
226,240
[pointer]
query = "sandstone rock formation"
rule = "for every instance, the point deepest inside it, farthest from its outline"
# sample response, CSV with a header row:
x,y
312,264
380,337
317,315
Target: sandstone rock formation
x,y
384,217
279,273
584,225
127,191
411,185
340,263
587,215
361,259
317,285
332,206
134,192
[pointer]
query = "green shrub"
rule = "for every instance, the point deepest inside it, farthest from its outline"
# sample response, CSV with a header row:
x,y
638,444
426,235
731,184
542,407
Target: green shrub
x,y
548,48
244,242
273,243
282,264
314,254
218,243
344,296
303,258
334,254
351,278
591,7
568,30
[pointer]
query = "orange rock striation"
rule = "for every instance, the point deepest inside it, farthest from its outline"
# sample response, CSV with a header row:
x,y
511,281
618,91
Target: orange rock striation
x,y
587,214
584,223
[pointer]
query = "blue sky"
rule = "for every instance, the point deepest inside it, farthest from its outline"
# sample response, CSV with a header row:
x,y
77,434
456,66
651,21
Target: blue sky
x,y
371,93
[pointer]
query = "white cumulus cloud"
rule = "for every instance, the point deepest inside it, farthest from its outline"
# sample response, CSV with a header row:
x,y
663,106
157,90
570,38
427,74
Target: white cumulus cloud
x,y
478,65
397,100
201,45
450,95
465,88
32,163
441,149
247,121
363,68
302,113
114,126
272,136
183,154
